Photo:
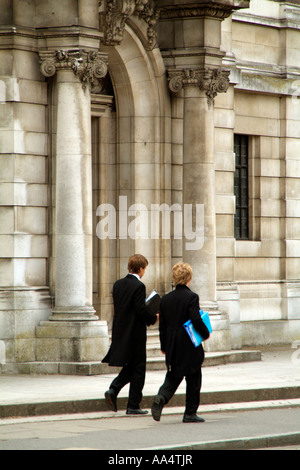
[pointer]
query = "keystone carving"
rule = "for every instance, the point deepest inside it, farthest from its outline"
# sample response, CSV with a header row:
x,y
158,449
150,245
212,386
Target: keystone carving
x,y
115,13
212,81
88,66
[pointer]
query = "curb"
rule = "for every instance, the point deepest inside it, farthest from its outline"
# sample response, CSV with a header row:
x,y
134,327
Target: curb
x,y
245,443
98,405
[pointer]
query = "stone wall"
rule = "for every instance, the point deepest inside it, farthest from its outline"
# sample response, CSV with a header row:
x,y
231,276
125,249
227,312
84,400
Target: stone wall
x,y
164,135
260,277
24,195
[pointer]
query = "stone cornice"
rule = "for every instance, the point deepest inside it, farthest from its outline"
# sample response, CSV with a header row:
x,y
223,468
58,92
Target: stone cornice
x,y
196,12
18,38
212,81
217,9
35,39
87,65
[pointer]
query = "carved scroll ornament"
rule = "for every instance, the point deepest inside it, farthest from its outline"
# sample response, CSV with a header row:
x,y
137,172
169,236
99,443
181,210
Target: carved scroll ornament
x,y
212,81
115,13
89,66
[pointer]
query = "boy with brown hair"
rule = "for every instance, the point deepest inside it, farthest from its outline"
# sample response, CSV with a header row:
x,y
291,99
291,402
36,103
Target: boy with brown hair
x,y
128,347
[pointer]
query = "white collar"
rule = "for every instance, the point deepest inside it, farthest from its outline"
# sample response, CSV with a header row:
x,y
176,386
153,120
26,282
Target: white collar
x,y
136,275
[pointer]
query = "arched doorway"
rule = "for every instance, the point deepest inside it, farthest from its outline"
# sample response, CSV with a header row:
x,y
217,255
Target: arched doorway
x,y
131,161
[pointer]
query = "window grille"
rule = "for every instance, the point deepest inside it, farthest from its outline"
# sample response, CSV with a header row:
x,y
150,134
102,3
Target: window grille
x,y
241,187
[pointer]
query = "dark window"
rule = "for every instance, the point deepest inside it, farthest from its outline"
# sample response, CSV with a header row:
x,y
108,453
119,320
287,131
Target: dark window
x,y
241,190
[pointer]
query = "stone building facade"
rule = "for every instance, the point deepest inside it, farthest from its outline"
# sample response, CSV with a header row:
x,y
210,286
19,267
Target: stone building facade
x,y
166,127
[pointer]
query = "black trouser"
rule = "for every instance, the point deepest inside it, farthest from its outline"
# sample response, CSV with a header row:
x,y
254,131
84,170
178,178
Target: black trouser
x,y
135,375
193,387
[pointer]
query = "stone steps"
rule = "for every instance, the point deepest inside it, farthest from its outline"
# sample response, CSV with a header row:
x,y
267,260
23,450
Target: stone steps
x,y
154,362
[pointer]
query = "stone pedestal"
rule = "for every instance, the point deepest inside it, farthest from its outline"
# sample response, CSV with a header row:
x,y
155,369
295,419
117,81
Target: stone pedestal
x,y
71,341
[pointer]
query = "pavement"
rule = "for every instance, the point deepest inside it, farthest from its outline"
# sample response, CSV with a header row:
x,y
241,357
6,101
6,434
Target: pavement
x,y
245,405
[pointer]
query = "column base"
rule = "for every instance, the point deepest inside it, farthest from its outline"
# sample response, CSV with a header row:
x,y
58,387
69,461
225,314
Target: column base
x,y
71,341
58,368
228,298
73,314
220,338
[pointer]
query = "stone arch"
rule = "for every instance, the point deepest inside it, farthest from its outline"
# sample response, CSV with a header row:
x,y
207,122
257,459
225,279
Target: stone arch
x,y
143,118
143,150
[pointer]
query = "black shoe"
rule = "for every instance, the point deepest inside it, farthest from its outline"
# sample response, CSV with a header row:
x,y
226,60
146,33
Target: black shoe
x,y
136,411
157,407
192,419
111,400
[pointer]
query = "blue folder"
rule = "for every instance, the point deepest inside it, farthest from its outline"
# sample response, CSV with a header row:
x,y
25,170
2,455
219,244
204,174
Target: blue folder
x,y
195,336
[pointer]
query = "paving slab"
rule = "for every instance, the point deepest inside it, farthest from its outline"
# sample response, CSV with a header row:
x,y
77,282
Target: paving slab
x,y
275,377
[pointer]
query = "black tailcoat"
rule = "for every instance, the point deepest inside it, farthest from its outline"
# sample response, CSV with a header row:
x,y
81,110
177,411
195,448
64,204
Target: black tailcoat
x,y
131,318
176,308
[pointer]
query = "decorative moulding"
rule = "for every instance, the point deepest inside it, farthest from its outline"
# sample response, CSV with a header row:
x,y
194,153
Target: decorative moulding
x,y
89,66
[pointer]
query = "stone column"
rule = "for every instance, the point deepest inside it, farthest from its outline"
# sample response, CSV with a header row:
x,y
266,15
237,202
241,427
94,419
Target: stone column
x,y
200,88
73,227
75,71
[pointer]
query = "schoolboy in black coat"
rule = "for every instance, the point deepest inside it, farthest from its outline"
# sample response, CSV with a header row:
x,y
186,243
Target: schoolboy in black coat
x,y
183,359
128,347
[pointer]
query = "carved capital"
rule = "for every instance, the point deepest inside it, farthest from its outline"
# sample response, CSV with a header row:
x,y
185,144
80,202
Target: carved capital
x,y
218,83
89,66
115,13
212,81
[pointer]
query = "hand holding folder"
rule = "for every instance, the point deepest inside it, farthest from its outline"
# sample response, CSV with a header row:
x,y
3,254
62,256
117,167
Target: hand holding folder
x,y
194,335
153,302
